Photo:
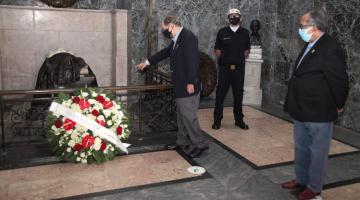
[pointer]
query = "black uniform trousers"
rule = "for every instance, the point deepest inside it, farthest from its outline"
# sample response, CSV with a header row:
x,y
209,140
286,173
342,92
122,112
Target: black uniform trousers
x,y
235,78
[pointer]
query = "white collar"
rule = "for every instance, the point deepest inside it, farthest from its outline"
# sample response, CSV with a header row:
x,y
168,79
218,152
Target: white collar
x,y
234,28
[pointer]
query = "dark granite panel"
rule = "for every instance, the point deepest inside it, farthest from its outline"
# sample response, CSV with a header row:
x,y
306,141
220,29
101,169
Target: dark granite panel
x,y
282,71
268,28
286,26
351,116
265,70
268,6
295,7
339,6
22,2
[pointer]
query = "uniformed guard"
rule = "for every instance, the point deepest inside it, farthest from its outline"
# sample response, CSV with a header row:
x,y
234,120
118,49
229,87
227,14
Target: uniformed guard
x,y
232,47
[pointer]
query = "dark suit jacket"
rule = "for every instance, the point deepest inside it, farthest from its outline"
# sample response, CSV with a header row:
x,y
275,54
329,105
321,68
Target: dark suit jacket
x,y
320,83
184,62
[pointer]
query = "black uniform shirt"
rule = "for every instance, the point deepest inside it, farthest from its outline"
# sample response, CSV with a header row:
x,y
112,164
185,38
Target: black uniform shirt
x,y
232,45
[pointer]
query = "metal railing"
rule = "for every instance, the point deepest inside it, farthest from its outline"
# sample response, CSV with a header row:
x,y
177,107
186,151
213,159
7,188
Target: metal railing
x,y
23,112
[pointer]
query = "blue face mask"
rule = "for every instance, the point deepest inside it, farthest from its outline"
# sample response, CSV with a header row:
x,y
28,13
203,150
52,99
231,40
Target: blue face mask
x,y
304,34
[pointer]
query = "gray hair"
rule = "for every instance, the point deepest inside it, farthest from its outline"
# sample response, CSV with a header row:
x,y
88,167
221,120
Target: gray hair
x,y
319,19
172,18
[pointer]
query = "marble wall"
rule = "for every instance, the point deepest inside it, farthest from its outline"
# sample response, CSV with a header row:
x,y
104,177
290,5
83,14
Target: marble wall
x,y
29,34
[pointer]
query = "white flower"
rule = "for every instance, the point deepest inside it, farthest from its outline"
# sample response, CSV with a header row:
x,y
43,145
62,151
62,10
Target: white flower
x,y
71,143
78,159
53,127
114,118
83,161
94,94
97,144
74,135
82,155
91,117
76,152
92,101
107,113
75,107
101,117
79,128
84,94
109,123
121,114
68,149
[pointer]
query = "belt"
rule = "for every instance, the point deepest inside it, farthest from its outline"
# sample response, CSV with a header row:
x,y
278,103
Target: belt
x,y
231,66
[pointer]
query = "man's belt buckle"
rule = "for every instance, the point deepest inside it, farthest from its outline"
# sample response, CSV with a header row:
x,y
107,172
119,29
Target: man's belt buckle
x,y
232,67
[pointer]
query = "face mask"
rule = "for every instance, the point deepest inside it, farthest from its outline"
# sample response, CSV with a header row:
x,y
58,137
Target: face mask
x,y
304,34
234,20
167,33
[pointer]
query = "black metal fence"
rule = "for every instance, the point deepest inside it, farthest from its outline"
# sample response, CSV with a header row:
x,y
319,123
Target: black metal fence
x,y
151,108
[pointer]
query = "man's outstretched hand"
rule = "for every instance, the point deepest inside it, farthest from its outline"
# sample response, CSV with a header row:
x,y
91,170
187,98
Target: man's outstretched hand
x,y
141,66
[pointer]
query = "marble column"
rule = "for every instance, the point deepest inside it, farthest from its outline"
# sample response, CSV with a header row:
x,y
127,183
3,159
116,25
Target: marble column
x,y
252,90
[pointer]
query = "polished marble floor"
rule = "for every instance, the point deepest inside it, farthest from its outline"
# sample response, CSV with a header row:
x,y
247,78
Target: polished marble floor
x,y
269,140
68,179
161,175
348,192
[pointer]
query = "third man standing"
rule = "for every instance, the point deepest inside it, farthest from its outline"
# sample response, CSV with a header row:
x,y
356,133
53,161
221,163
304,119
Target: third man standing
x,y
232,47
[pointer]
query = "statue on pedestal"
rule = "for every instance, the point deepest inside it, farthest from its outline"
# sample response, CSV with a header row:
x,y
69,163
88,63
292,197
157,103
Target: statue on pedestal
x,y
255,39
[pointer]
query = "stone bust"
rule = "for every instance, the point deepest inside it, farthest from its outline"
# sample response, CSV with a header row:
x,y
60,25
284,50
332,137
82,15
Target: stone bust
x,y
255,38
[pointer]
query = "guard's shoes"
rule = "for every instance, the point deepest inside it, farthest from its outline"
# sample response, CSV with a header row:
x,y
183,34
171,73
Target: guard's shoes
x,y
216,125
173,146
242,125
197,152
308,194
292,185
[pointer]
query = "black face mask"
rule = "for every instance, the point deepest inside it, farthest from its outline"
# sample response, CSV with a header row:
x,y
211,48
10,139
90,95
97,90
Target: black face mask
x,y
234,20
167,33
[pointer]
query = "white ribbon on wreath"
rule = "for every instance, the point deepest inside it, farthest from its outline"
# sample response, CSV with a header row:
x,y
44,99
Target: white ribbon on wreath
x,y
96,128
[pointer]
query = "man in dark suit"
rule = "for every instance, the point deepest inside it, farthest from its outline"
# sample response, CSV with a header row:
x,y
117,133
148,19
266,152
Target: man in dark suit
x,y
184,64
317,91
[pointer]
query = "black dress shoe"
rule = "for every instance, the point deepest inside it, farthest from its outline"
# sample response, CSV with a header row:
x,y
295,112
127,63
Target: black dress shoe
x,y
197,152
172,146
216,125
242,125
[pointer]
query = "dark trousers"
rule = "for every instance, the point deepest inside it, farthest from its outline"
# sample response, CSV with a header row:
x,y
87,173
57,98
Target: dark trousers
x,y
235,78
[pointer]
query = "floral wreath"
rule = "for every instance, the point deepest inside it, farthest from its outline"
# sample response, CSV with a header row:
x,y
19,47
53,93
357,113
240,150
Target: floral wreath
x,y
75,143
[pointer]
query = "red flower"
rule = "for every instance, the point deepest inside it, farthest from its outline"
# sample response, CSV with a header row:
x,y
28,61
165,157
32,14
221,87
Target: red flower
x,y
58,123
69,124
107,104
101,122
84,104
95,112
88,140
76,99
119,130
100,98
103,146
78,147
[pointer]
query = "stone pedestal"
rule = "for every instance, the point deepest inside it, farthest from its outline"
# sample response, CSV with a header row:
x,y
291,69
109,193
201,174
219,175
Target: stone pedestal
x,y
252,90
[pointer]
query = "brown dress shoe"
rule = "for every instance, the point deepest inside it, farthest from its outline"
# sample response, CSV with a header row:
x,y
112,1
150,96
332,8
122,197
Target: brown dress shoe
x,y
292,185
308,194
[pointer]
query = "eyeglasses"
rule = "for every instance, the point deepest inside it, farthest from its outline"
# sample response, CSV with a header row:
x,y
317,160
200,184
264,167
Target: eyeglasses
x,y
305,26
